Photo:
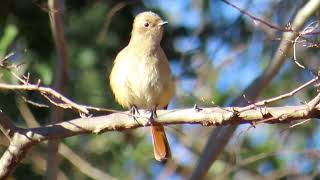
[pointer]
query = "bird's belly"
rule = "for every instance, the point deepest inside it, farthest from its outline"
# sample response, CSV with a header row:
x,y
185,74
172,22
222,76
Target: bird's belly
x,y
143,81
146,88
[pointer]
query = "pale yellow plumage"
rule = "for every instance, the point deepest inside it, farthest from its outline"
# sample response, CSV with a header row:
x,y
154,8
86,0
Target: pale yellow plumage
x,y
141,74
142,80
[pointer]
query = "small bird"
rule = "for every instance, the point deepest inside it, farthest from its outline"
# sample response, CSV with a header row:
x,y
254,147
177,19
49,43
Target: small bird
x,y
141,76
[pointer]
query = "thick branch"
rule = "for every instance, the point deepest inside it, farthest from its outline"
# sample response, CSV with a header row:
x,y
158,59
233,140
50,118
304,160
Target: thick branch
x,y
23,139
215,116
16,150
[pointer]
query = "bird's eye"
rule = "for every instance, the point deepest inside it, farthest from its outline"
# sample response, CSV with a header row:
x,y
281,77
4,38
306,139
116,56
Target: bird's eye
x,y
146,24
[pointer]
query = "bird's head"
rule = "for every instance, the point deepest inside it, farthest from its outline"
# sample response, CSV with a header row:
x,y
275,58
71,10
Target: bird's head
x,y
148,27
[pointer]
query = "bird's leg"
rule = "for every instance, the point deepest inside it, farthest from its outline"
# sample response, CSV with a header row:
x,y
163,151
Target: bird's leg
x,y
134,110
153,114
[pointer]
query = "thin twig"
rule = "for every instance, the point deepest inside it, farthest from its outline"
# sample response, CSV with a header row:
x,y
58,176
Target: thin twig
x,y
294,125
288,28
294,53
283,96
45,91
34,103
109,17
307,29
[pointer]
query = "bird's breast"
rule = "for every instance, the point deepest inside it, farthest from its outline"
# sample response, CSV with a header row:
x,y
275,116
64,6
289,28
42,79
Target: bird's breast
x,y
143,81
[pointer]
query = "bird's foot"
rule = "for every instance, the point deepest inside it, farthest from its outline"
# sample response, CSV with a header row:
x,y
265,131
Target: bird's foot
x,y
153,114
134,110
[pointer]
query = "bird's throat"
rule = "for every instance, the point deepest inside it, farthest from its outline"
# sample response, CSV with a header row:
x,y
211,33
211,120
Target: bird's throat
x,y
147,44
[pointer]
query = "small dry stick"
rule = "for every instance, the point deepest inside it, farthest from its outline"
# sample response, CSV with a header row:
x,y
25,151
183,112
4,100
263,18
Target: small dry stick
x,y
294,125
310,28
283,96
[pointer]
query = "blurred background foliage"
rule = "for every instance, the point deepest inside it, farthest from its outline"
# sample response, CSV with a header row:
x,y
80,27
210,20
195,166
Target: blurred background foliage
x,y
214,51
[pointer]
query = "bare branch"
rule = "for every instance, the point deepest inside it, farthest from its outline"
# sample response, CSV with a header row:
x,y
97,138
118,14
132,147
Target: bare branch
x,y
111,13
15,152
23,139
283,96
288,28
215,116
309,28
47,92
67,104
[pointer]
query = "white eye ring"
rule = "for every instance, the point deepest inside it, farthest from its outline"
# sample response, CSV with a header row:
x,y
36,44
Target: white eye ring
x,y
146,24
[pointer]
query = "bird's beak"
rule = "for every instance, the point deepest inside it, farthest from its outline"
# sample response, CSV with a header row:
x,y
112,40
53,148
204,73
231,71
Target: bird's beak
x,y
162,23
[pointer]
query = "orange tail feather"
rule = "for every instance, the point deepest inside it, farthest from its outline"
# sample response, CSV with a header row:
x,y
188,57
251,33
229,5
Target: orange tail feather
x,y
161,148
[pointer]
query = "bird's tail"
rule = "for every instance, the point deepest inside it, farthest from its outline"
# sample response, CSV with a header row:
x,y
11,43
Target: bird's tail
x,y
161,148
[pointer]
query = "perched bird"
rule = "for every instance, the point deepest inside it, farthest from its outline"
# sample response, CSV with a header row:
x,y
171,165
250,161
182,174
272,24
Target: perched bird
x,y
141,76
